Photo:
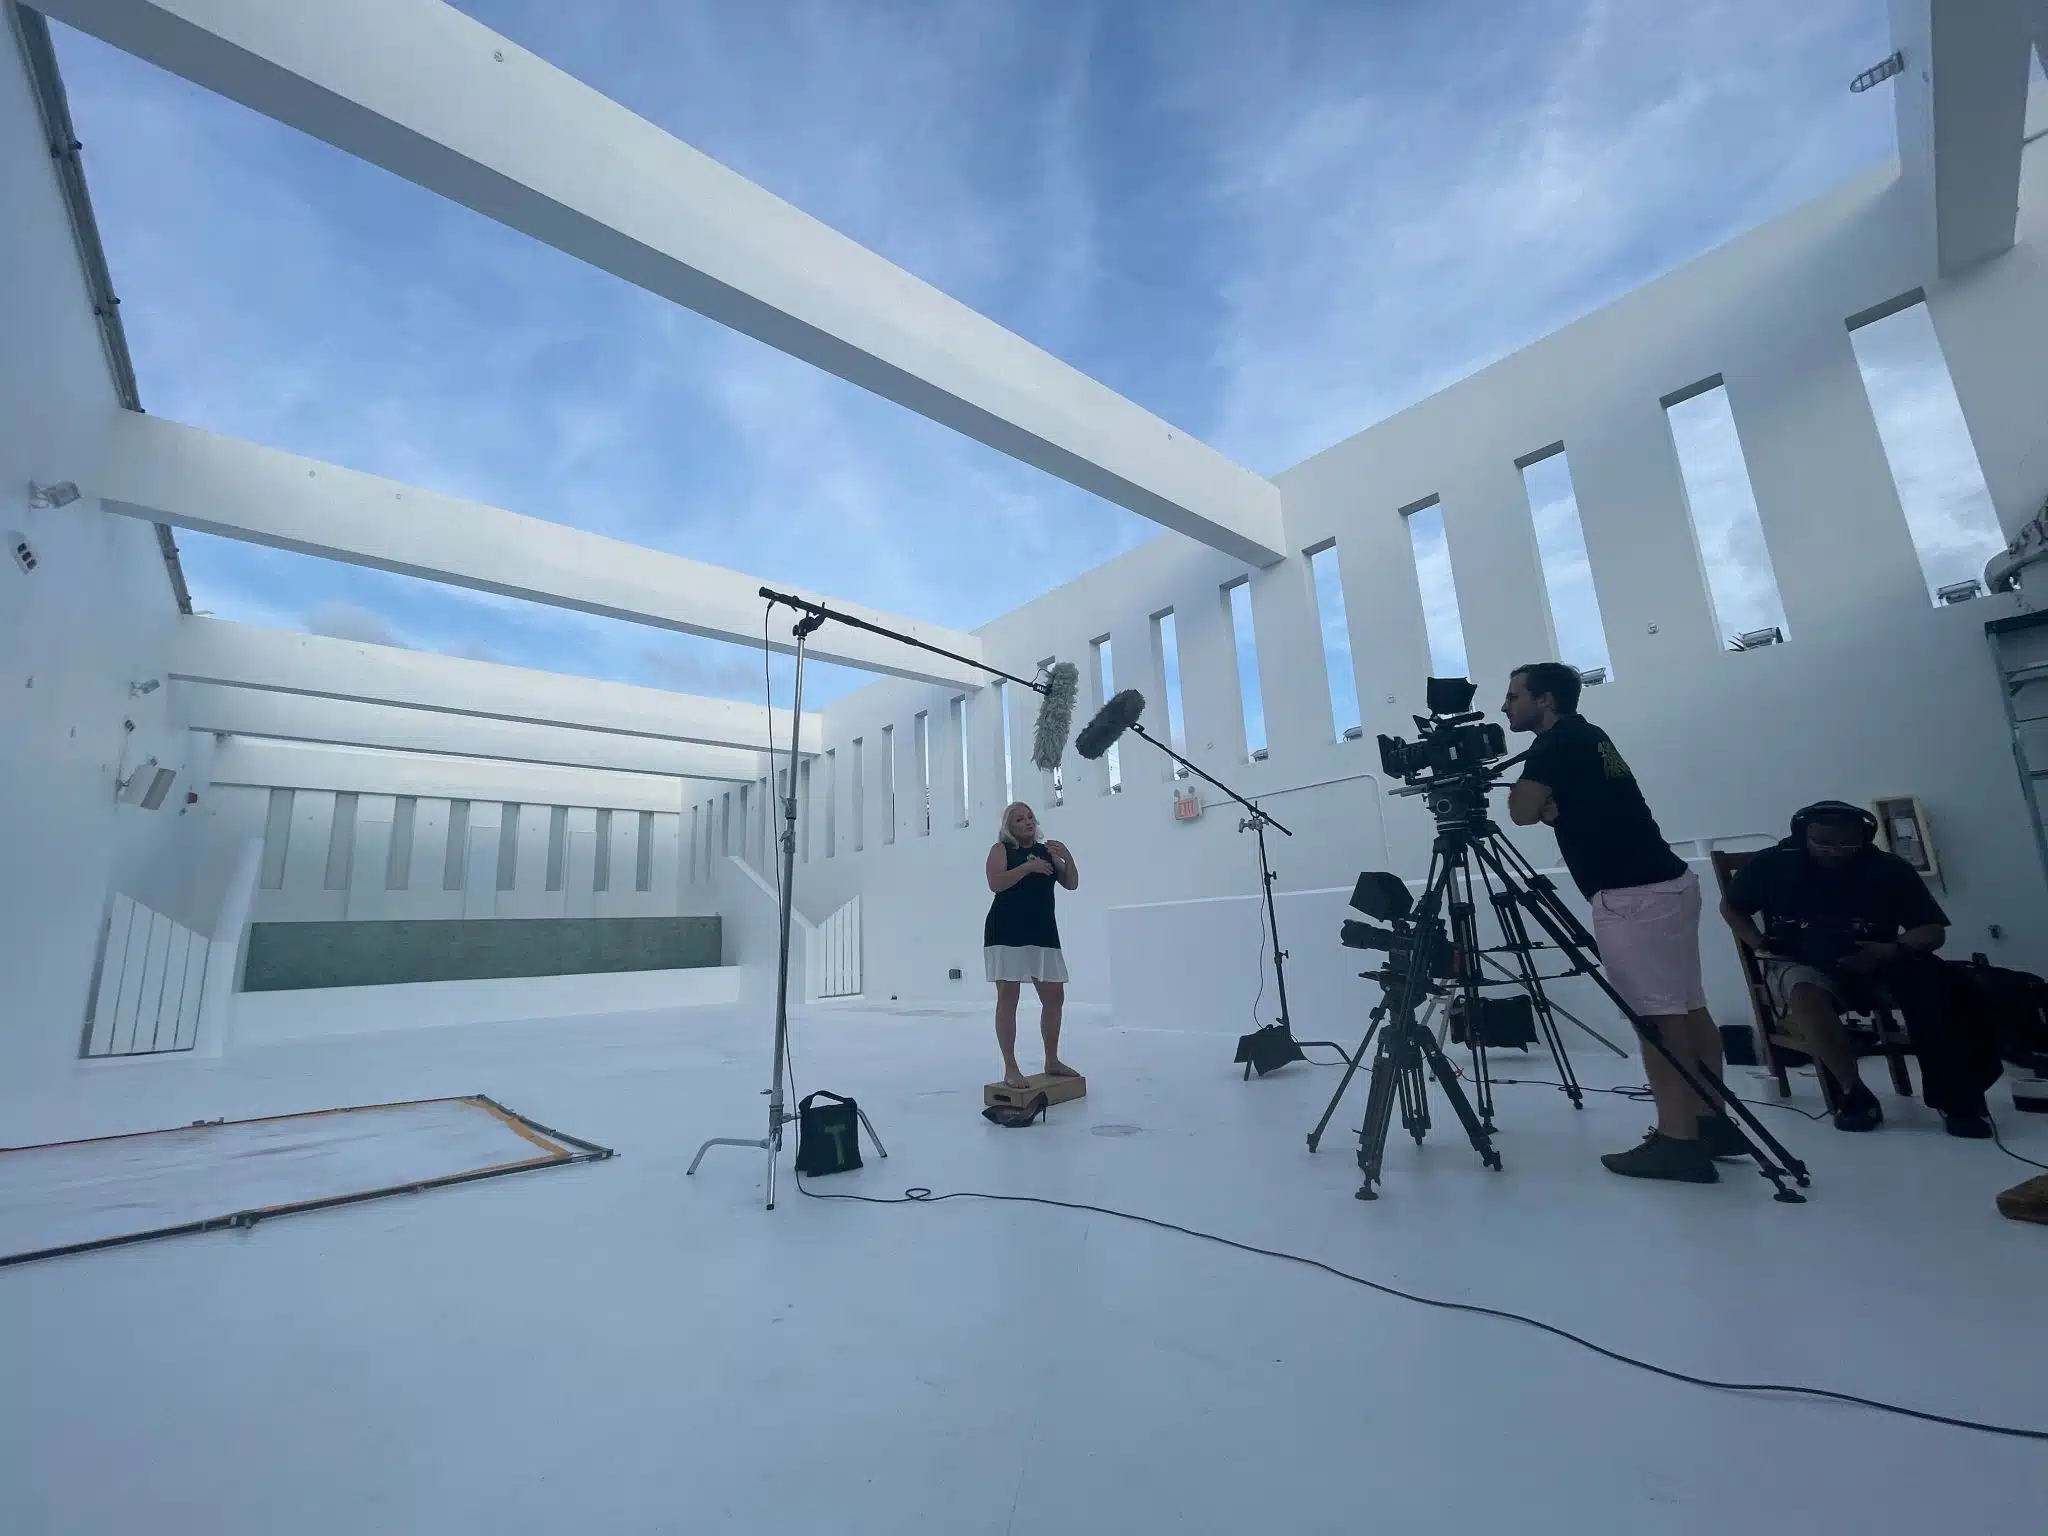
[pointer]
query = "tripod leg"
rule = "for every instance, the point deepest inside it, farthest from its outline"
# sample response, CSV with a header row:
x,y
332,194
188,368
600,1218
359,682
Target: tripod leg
x,y
1379,1112
864,1120
1357,1060
1480,1135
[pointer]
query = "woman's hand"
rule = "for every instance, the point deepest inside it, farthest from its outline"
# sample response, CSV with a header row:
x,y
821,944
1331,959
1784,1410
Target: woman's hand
x,y
1037,866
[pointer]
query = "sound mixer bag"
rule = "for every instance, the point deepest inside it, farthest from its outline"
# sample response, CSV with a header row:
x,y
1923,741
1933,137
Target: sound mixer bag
x,y
827,1135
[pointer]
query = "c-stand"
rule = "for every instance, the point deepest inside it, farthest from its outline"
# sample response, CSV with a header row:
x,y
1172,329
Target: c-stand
x,y
1426,960
1271,1046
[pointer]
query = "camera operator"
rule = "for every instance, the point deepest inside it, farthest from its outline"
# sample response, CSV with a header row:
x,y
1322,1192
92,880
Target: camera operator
x,y
1646,911
1848,924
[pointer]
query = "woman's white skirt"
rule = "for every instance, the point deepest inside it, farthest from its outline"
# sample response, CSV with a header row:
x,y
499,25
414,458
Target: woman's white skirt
x,y
1024,962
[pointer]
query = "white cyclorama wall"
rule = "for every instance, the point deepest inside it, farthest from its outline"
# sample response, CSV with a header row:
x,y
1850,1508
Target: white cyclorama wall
x,y
74,633
1877,692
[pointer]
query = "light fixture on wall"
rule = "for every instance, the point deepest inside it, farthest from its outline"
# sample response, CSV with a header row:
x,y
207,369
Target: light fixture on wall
x,y
1878,73
1757,639
146,786
62,494
1592,677
1958,592
25,557
151,686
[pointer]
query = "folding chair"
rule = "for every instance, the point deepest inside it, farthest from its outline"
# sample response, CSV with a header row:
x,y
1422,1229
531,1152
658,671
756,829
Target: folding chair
x,y
1874,1031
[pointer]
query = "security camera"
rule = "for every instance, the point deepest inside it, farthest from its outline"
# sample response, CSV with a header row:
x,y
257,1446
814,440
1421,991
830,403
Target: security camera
x,y
62,494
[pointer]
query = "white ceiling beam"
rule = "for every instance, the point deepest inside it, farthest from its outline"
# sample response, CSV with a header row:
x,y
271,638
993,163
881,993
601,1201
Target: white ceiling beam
x,y
259,713
243,656
162,472
1961,102
259,764
427,93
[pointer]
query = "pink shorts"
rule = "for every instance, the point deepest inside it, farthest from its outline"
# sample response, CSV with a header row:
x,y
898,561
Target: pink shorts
x,y
1649,937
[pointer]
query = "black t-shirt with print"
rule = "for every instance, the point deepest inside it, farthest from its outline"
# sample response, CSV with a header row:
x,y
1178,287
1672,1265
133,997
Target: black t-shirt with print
x,y
1605,831
1817,915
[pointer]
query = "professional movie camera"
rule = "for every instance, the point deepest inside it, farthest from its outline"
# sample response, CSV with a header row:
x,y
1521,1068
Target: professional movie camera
x,y
1453,738
1435,954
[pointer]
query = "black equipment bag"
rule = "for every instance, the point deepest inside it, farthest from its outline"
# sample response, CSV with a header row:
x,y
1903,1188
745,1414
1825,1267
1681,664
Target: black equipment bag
x,y
2013,1003
827,1135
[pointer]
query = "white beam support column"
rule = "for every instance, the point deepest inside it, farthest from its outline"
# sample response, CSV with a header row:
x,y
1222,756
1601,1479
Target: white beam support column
x,y
161,472
1962,106
239,655
347,770
427,93
258,713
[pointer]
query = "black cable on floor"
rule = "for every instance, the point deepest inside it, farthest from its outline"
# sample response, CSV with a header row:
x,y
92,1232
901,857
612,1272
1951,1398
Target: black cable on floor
x,y
2008,1151
919,1195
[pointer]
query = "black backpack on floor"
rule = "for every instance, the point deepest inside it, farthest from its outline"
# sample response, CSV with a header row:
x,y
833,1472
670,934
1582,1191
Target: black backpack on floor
x,y
2016,1005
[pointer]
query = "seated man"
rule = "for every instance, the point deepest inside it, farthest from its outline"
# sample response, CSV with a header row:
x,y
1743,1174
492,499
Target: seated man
x,y
1848,924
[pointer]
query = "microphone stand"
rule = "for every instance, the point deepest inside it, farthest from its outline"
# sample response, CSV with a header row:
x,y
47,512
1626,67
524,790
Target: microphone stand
x,y
1271,1046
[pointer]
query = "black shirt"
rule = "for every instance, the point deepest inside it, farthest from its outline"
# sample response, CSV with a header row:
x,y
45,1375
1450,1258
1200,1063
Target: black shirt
x,y
1818,915
1605,831
1022,914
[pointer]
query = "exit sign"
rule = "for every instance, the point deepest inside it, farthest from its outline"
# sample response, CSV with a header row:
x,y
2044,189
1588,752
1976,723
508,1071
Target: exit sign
x,y
1187,804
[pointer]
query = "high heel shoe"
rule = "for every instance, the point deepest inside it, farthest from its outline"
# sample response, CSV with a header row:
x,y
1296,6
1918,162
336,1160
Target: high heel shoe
x,y
1013,1115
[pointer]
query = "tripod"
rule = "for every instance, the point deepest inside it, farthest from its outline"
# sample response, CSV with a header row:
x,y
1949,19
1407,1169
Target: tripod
x,y
1423,958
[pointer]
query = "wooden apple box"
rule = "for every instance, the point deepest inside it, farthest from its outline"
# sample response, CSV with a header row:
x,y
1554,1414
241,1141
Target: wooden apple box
x,y
1057,1090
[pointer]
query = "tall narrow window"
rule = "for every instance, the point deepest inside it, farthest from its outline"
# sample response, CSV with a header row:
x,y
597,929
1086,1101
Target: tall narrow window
x,y
643,854
558,844
1007,767
831,802
1326,583
1166,664
601,874
341,843
1105,690
1237,601
508,846
725,842
398,865
888,784
1561,547
963,798
921,748
1927,443
455,861
277,837
857,805
1440,616
696,820
1742,588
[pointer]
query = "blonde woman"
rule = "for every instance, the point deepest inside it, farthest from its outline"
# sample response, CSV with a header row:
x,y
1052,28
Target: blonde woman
x,y
1021,941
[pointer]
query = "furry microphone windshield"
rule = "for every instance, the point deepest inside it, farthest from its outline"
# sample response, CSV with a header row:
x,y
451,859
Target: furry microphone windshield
x,y
1055,716
1110,722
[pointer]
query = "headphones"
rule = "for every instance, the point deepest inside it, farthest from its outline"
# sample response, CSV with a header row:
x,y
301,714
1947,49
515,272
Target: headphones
x,y
1832,810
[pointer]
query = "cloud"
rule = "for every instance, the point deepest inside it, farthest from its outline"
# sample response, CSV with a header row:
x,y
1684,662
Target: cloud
x,y
1270,225
346,621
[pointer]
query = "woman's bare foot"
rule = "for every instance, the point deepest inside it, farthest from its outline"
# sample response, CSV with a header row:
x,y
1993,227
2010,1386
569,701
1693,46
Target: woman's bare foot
x,y
1058,1068
1013,1077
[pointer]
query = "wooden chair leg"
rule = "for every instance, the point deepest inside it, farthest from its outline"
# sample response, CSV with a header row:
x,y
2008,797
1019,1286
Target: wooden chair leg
x,y
1902,1082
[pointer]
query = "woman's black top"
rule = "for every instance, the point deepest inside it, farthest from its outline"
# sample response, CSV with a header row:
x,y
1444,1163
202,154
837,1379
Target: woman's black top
x,y
1022,914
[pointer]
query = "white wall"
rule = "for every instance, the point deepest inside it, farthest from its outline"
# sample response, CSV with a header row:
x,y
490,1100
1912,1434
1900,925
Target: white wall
x,y
73,634
1877,692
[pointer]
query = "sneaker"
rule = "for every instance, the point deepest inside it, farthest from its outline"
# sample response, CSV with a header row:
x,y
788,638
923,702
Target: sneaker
x,y
1720,1137
1664,1157
1859,1110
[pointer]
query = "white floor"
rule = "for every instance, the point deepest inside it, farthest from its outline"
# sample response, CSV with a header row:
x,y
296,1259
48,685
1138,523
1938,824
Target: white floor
x,y
614,1348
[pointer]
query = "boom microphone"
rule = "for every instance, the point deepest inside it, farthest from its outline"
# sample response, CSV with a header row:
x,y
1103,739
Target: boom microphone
x,y
1110,722
1055,716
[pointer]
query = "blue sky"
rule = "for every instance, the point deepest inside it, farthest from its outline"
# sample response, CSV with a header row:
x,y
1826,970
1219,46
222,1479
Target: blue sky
x,y
1272,225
